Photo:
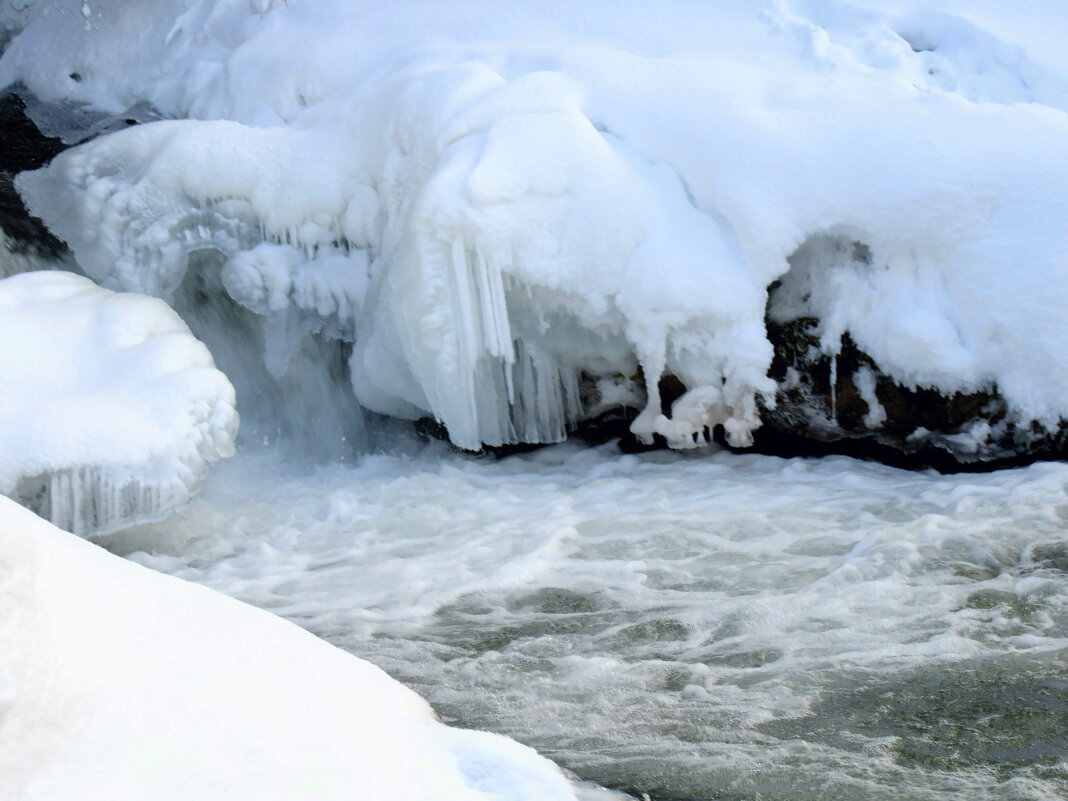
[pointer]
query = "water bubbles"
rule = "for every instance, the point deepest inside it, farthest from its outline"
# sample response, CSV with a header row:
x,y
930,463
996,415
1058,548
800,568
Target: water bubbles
x,y
720,627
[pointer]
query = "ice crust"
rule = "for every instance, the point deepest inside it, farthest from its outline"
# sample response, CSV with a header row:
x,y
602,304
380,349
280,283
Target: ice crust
x,y
119,682
111,411
492,201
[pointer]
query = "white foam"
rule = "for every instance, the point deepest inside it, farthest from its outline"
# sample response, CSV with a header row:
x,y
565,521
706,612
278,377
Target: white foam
x,y
660,621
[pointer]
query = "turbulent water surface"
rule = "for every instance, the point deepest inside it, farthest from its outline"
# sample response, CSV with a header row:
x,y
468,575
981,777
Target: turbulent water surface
x,y
706,626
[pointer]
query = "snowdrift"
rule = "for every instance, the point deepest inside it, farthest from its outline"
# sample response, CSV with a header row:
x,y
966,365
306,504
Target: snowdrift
x,y
111,411
118,682
509,210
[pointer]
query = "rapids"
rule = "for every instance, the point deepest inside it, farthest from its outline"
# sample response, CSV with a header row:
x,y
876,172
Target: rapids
x,y
706,626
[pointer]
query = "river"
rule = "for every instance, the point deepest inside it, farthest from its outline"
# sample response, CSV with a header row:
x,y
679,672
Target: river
x,y
691,626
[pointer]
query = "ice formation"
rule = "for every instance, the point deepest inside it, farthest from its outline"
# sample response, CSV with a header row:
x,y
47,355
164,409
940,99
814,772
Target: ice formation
x,y
111,411
119,682
494,202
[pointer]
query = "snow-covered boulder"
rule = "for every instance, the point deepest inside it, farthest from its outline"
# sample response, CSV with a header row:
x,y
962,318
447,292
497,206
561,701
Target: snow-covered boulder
x,y
498,207
110,411
845,402
120,683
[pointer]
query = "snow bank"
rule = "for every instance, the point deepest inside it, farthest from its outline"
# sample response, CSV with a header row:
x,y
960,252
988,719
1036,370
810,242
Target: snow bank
x,y
111,412
119,682
494,201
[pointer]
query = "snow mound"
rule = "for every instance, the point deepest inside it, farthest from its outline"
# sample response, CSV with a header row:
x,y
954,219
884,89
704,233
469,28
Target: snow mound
x,y
118,682
498,203
112,411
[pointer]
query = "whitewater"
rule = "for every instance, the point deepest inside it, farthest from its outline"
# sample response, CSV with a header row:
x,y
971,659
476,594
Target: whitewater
x,y
694,627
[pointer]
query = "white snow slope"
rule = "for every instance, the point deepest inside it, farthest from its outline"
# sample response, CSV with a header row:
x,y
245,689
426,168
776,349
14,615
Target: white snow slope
x,y
111,411
117,682
492,198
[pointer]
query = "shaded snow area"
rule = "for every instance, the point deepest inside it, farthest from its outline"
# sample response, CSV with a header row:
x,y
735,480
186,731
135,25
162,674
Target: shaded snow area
x,y
110,411
119,683
493,202
696,627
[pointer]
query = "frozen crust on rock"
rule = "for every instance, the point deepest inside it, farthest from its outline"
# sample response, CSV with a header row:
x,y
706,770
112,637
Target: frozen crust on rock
x,y
111,411
117,682
522,196
491,269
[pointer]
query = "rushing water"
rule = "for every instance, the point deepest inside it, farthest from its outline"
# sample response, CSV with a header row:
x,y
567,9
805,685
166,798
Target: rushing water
x,y
693,626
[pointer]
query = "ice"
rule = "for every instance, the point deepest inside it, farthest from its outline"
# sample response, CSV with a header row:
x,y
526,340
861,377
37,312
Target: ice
x,y
111,412
544,181
117,682
865,382
449,191
273,279
457,290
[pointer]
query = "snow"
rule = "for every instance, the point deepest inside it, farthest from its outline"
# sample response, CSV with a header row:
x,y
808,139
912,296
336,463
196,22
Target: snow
x,y
516,196
112,411
118,682
487,209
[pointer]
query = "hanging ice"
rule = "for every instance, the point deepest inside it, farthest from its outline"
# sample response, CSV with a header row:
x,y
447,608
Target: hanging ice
x,y
490,205
110,410
516,247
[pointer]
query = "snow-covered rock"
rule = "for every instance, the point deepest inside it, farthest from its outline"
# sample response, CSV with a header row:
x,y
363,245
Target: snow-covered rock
x,y
523,198
111,411
118,682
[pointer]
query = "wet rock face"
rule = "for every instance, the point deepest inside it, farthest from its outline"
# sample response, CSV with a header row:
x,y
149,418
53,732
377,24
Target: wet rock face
x,y
846,404
23,147
32,133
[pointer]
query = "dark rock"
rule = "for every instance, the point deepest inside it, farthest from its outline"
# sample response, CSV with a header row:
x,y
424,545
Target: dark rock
x,y
427,428
821,410
32,133
23,147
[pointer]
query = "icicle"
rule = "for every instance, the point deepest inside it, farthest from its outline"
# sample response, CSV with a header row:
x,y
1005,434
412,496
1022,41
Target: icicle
x,y
282,338
497,332
834,387
546,396
467,332
94,501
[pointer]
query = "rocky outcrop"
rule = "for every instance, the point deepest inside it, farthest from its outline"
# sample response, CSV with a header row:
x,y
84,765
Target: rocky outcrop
x,y
846,404
23,147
